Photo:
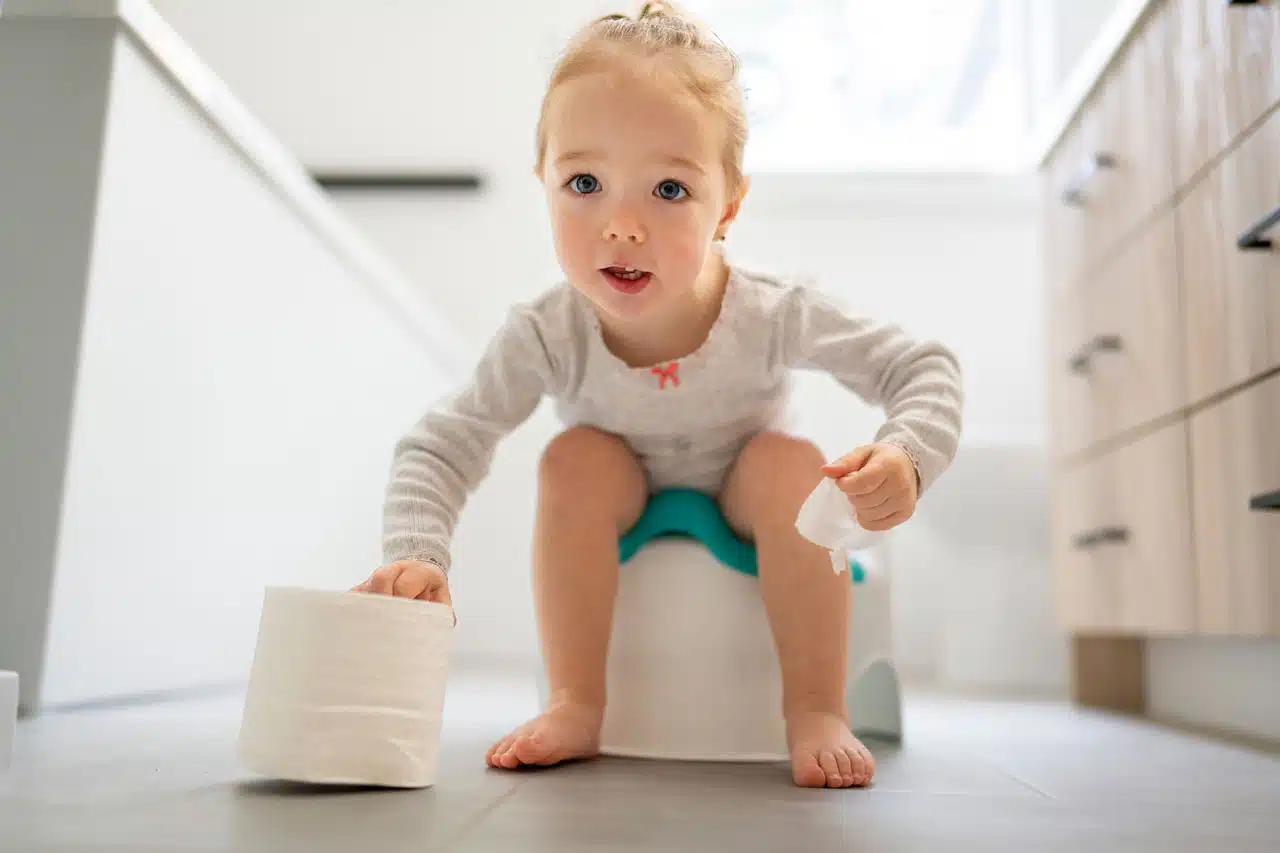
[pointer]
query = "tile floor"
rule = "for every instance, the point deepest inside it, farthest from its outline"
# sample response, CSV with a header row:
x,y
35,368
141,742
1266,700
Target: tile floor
x,y
973,775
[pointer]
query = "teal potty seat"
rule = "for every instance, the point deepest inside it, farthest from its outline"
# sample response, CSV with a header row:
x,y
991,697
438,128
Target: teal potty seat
x,y
689,514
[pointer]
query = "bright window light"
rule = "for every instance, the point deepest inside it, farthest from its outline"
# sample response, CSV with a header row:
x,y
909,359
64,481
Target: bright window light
x,y
873,85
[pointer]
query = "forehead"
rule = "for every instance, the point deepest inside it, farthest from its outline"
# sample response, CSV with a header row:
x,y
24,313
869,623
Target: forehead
x,y
632,113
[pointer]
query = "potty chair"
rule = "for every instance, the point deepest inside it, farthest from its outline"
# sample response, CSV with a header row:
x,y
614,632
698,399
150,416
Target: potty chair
x,y
693,673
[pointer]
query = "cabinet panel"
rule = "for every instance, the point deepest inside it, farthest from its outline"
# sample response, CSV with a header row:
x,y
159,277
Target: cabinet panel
x,y
1225,74
1232,294
1235,460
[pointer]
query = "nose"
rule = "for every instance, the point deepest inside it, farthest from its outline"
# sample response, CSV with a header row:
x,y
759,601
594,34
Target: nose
x,y
624,225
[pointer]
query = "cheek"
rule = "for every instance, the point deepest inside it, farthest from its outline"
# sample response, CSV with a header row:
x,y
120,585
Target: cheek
x,y
572,232
684,234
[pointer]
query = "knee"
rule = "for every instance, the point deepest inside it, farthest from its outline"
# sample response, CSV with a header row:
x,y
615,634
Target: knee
x,y
583,461
782,456
775,473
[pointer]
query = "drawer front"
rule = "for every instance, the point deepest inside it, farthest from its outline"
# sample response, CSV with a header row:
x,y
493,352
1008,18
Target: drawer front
x,y
1235,459
1063,220
1122,540
1128,359
1232,294
1120,166
1071,411
1225,67
1157,570
1087,589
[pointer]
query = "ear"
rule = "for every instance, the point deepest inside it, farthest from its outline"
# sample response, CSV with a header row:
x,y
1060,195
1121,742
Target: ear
x,y
732,207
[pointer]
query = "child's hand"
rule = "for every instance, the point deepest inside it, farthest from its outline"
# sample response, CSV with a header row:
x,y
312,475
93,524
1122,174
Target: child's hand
x,y
409,579
880,480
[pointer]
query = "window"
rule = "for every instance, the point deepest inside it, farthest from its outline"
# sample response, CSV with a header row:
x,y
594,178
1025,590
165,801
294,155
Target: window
x,y
863,85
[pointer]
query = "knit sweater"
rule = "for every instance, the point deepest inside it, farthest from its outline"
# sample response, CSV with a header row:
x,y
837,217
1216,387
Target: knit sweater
x,y
686,420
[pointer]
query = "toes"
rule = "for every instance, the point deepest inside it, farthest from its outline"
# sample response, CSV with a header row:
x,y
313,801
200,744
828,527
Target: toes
x,y
846,764
870,761
827,761
498,749
532,749
864,764
858,774
807,773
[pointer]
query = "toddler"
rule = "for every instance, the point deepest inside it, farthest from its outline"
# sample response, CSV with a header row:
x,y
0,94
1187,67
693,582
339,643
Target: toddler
x,y
669,365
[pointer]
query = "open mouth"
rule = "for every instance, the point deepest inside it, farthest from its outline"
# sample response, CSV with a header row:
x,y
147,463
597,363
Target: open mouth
x,y
627,279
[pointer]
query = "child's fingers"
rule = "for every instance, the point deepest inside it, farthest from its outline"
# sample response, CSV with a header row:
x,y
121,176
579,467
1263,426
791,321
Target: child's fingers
x,y
848,464
383,580
884,511
437,589
410,585
865,481
886,523
872,500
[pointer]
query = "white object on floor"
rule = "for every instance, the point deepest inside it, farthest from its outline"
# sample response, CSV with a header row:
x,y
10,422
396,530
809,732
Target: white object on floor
x,y
693,674
8,716
347,688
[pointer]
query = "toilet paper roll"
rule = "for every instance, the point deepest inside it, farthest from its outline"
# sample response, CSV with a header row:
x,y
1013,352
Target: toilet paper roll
x,y
347,688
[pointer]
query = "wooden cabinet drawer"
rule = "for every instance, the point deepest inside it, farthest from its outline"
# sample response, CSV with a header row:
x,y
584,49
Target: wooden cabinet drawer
x,y
1087,590
1232,294
1128,359
1122,540
1118,169
1226,72
1070,410
1063,220
1235,452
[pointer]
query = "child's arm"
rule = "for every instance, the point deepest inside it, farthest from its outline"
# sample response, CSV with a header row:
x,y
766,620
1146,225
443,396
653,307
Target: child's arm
x,y
448,452
917,382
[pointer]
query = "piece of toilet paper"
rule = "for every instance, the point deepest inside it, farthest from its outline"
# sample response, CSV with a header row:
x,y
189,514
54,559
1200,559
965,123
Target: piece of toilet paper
x,y
347,688
827,519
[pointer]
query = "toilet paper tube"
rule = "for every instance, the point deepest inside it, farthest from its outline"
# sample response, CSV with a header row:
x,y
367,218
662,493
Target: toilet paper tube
x,y
826,518
347,688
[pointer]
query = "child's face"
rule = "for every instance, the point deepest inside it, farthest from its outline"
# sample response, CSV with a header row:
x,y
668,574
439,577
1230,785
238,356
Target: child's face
x,y
634,178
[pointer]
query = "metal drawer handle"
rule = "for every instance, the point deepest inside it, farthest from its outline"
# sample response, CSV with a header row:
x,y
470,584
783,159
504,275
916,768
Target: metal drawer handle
x,y
1079,362
1101,536
1254,238
1241,2
1073,193
1267,502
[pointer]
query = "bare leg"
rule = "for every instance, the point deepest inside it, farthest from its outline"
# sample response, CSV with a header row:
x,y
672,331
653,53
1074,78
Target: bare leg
x,y
590,490
807,604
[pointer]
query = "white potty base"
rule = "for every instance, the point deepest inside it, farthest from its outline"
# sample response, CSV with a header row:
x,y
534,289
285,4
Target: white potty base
x,y
347,688
693,673
8,717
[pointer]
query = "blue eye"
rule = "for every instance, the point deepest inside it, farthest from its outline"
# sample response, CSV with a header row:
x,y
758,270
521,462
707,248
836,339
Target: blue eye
x,y
584,184
671,191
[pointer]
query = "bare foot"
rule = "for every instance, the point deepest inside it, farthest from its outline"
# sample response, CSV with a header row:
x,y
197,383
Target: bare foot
x,y
564,732
824,753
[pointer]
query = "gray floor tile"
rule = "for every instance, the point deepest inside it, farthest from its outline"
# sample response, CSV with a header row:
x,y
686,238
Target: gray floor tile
x,y
981,776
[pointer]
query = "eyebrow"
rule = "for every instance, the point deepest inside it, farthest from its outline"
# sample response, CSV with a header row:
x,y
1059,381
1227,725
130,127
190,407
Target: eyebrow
x,y
683,162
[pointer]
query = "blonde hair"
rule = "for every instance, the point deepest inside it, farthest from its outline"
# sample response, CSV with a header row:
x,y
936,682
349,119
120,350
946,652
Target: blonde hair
x,y
704,64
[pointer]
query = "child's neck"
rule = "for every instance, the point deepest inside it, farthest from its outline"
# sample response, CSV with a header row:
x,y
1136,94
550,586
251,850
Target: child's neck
x,y
678,331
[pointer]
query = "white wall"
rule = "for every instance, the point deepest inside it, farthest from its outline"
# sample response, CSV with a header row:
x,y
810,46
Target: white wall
x,y
238,384
399,86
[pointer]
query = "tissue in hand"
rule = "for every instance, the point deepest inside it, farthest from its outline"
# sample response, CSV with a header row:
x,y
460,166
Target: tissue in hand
x,y
826,518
